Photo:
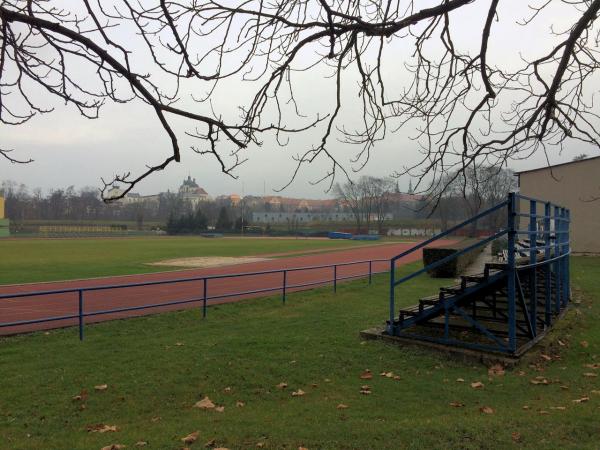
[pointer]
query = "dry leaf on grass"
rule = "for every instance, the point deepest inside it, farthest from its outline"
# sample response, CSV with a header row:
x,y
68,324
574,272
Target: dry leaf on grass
x,y
260,444
546,357
477,385
240,404
457,404
179,344
595,392
298,393
190,438
590,374
101,387
342,406
559,408
220,409
282,385
302,448
539,380
387,374
516,436
581,400
365,389
525,406
543,413
221,448
460,380
486,410
227,390
366,375
82,396
114,447
101,428
496,370
205,403
584,344
140,444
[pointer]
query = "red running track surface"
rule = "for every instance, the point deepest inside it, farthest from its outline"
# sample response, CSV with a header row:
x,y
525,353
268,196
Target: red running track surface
x,y
32,308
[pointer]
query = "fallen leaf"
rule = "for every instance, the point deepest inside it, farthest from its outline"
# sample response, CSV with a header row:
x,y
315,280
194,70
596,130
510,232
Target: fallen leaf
x,y
595,392
496,370
539,380
561,343
298,393
155,419
366,375
101,387
114,447
477,385
487,410
140,444
327,380
525,406
101,428
227,390
220,409
543,413
457,404
205,403
342,406
581,400
397,377
221,448
210,443
460,380
240,404
190,438
282,385
584,344
82,396
559,408
546,357
260,444
365,389
302,448
564,388
592,366
387,374
179,344
516,436
590,374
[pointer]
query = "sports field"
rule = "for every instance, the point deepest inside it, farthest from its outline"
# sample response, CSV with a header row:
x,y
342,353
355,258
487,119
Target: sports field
x,y
33,260
249,358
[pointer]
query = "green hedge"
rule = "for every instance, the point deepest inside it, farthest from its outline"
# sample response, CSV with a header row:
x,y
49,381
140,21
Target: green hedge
x,y
454,267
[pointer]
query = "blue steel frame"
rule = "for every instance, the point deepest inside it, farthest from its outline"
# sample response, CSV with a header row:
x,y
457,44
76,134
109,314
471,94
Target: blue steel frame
x,y
554,263
204,299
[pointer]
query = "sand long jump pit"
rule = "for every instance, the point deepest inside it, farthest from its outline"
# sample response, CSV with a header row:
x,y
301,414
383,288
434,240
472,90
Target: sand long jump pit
x,y
200,262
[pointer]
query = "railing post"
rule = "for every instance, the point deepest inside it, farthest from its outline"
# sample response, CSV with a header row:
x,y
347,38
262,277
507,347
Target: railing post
x,y
547,266
284,286
335,278
533,262
568,257
81,315
565,257
204,298
512,329
370,271
390,328
557,271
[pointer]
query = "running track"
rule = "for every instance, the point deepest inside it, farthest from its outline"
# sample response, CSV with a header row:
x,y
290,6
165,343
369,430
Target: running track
x,y
32,308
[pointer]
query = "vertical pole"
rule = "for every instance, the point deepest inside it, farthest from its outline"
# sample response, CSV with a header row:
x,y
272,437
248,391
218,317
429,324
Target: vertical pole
x,y
564,259
533,261
547,267
370,271
284,285
390,327
334,278
557,235
204,298
80,315
568,257
512,329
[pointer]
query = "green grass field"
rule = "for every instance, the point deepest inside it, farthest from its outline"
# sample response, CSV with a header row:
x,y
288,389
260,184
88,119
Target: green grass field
x,y
31,260
156,368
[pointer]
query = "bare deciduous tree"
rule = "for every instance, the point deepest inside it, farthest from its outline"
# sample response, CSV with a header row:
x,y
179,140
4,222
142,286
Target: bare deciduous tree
x,y
468,110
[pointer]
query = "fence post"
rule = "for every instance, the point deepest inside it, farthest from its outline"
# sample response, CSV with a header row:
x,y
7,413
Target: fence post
x,y
204,299
390,327
370,271
512,329
80,315
568,257
284,286
557,237
533,261
565,258
547,257
335,278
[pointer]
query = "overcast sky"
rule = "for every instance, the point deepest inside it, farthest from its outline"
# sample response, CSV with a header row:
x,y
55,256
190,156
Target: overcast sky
x,y
71,150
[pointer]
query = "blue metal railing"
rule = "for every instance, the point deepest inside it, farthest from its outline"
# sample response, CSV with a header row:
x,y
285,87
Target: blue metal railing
x,y
205,299
551,225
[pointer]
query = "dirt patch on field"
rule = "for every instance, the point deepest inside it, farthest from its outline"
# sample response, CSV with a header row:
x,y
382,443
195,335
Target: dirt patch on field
x,y
207,261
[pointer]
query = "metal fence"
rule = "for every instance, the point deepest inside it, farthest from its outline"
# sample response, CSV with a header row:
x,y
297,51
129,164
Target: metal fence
x,y
284,286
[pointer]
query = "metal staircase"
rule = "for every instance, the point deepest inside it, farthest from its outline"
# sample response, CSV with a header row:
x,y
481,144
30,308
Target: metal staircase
x,y
512,303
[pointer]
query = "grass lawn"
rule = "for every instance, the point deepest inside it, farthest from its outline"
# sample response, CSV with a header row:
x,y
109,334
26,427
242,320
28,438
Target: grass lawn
x,y
31,260
243,351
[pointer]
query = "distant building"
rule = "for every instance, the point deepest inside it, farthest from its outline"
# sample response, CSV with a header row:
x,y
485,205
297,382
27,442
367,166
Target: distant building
x,y
300,217
192,193
574,185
